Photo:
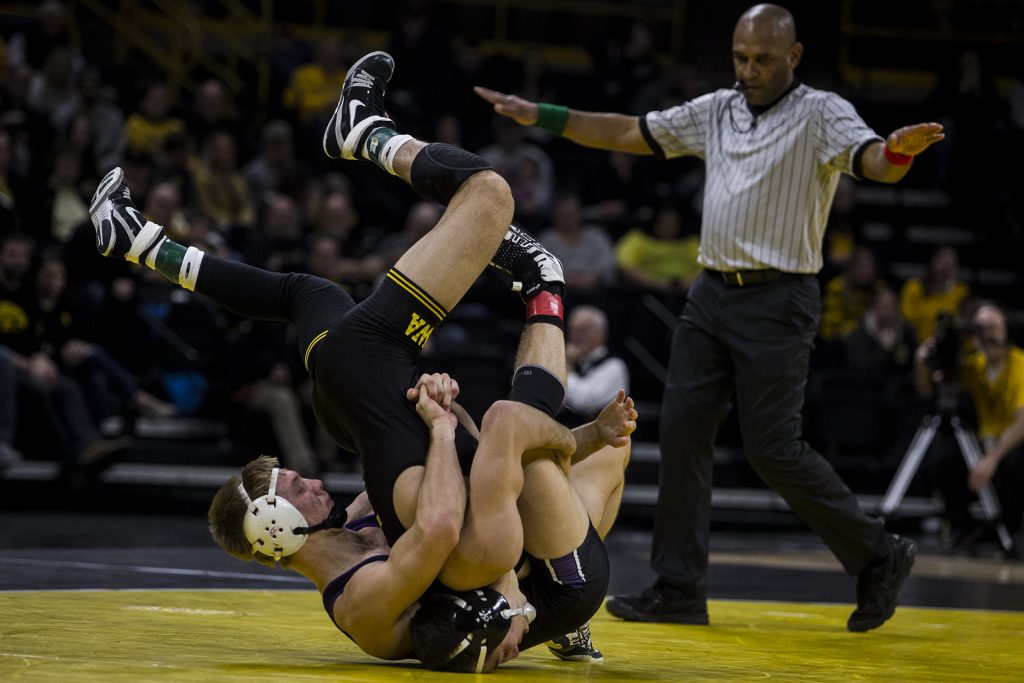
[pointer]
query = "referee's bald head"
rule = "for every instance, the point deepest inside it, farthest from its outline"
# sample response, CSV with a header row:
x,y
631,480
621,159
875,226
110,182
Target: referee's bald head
x,y
767,19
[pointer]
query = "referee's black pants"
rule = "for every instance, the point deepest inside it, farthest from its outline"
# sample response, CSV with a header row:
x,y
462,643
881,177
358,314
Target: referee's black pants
x,y
751,344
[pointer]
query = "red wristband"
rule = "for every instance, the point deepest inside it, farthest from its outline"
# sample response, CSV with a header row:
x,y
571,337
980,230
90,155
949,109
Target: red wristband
x,y
895,158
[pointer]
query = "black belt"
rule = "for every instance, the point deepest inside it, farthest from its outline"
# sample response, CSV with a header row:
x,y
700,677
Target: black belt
x,y
743,278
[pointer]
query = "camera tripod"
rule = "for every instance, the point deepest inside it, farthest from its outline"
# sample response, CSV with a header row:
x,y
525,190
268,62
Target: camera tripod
x,y
946,410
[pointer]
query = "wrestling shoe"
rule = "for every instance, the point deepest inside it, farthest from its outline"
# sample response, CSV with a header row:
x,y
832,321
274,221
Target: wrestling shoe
x,y
879,584
360,108
121,231
575,646
531,266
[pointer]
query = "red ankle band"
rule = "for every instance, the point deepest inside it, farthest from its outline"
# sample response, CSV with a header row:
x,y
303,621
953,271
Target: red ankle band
x,y
545,304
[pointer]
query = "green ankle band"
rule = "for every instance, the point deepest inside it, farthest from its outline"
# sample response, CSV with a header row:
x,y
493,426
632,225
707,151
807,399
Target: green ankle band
x,y
552,117
168,260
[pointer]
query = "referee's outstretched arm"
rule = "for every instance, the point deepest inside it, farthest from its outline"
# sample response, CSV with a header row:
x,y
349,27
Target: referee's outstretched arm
x,y
616,132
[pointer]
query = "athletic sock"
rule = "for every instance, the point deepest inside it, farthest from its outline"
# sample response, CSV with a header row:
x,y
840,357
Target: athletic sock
x,y
177,263
382,145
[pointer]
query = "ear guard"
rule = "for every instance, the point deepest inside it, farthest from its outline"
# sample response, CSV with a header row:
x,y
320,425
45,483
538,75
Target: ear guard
x,y
274,526
485,616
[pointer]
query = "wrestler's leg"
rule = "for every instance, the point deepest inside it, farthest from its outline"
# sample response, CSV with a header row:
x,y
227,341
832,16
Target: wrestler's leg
x,y
311,303
491,540
445,262
598,481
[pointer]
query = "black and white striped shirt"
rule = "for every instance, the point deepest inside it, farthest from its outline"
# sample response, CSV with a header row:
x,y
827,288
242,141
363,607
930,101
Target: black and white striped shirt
x,y
770,179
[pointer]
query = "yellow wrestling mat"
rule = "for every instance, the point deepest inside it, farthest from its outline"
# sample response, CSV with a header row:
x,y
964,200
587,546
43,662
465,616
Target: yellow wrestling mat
x,y
285,635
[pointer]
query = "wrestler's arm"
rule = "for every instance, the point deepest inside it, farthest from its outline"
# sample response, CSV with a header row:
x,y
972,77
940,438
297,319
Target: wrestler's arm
x,y
613,425
375,607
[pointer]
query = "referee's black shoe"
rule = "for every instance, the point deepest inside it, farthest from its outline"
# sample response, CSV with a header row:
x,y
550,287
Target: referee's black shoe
x,y
663,603
879,584
360,108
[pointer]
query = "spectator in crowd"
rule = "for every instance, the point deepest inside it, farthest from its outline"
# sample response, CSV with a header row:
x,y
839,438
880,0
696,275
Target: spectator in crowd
x,y
61,327
616,191
8,402
48,31
275,168
163,204
11,188
525,167
174,164
53,85
263,383
978,120
221,191
448,130
105,119
359,261
324,259
27,131
883,343
278,245
663,258
586,252
846,297
47,399
939,291
148,126
66,206
594,373
627,68
420,220
313,89
212,111
877,360
994,378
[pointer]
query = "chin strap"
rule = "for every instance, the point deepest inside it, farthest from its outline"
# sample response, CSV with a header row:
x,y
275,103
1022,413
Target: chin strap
x,y
335,518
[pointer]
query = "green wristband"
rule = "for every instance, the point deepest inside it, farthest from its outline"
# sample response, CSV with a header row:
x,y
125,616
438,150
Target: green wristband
x,y
552,117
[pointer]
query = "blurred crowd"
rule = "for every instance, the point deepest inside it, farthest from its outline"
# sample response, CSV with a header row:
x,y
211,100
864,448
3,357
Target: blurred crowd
x,y
87,345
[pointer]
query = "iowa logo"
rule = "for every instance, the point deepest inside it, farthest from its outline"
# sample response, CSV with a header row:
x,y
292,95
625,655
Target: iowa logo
x,y
419,330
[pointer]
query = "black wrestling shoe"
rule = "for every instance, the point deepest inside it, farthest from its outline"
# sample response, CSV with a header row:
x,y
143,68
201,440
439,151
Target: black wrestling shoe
x,y
121,231
575,646
360,108
879,584
531,265
661,603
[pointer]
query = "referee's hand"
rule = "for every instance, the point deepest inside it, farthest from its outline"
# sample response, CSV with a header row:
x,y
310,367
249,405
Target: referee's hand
x,y
912,140
516,108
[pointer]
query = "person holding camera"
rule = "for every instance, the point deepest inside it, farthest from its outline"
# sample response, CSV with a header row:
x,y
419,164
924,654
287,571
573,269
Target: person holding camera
x,y
993,375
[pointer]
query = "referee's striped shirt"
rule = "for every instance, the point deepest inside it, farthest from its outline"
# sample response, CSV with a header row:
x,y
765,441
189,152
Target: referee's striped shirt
x,y
770,179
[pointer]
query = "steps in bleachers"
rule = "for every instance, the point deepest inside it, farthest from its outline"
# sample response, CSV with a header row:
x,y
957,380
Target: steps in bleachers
x,y
160,486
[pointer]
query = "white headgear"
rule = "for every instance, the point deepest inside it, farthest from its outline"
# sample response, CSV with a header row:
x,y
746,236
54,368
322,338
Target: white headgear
x,y
270,522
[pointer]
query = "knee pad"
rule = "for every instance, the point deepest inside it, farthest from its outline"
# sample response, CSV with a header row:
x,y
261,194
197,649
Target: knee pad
x,y
439,170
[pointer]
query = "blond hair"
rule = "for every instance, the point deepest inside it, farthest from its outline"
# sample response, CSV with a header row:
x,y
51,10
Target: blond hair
x,y
228,510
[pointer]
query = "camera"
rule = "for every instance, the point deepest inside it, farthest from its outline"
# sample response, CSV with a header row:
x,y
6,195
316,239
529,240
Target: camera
x,y
949,345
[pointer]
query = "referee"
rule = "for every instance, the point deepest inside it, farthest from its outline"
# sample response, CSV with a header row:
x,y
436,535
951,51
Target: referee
x,y
774,149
